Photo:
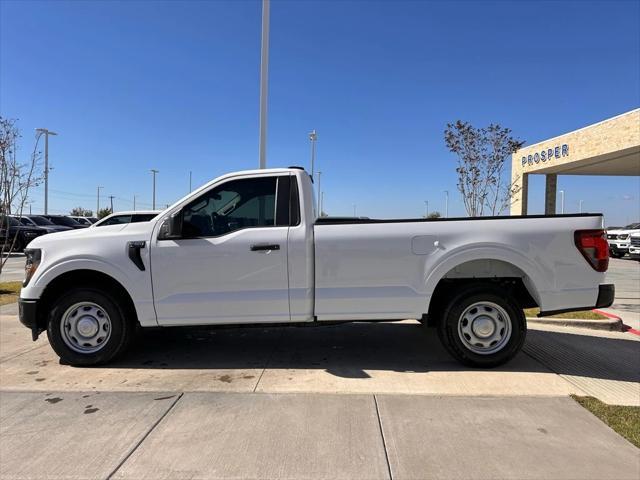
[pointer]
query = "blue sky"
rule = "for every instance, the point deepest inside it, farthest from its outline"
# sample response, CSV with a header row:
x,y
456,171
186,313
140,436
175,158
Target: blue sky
x,y
131,86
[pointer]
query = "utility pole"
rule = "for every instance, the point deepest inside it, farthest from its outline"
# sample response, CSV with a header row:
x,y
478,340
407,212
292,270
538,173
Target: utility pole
x,y
426,208
46,133
561,201
319,194
264,77
98,202
446,204
321,202
111,197
190,189
313,136
580,206
154,171
134,203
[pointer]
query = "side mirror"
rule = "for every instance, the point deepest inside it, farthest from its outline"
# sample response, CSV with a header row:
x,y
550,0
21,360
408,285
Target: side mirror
x,y
171,227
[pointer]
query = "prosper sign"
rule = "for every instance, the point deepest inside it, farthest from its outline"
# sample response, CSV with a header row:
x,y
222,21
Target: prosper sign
x,y
546,155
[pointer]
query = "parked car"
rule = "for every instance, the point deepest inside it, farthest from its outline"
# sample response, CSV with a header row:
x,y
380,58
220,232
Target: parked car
x,y
619,239
127,217
12,232
64,221
92,219
634,246
38,221
248,248
81,220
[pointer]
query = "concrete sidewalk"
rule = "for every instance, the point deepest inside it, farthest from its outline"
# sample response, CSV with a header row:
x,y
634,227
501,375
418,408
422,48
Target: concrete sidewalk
x,y
129,435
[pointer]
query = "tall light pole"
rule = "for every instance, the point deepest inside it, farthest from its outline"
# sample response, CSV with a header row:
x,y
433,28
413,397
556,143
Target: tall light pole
x,y
154,171
446,204
319,205
561,201
111,197
134,202
46,133
580,206
264,77
313,136
321,202
98,201
426,208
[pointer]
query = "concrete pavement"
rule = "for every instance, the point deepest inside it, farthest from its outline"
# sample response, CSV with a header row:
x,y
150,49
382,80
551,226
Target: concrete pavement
x,y
127,435
13,270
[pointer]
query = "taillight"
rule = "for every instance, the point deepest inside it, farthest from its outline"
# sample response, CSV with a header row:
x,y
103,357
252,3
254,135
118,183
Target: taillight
x,y
594,247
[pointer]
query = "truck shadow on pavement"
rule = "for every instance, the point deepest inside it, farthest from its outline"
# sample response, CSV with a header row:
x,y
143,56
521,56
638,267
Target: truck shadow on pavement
x,y
350,350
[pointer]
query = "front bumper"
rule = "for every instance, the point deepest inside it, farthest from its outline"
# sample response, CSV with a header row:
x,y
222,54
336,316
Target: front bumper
x,y
28,315
606,295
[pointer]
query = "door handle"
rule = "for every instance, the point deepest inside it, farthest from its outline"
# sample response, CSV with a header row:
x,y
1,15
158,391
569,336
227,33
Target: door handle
x,y
262,248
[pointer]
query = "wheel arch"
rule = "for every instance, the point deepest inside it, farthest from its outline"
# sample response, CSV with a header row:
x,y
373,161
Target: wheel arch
x,y
84,278
505,267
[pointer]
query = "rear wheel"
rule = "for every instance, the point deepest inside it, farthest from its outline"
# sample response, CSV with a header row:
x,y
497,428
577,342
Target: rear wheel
x,y
87,327
482,328
615,254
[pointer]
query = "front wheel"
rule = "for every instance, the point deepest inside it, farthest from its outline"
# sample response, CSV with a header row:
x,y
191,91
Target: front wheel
x,y
482,328
615,254
87,327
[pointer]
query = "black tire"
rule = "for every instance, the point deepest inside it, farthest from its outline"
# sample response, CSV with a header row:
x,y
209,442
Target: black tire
x,y
121,329
615,254
448,328
18,245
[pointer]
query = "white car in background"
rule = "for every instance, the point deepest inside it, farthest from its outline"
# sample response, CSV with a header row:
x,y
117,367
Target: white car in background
x,y
634,246
619,239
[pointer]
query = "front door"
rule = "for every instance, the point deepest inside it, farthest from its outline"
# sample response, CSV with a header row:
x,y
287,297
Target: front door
x,y
230,266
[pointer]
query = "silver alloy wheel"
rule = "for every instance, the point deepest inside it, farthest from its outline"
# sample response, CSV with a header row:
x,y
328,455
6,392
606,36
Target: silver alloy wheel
x,y
484,328
85,327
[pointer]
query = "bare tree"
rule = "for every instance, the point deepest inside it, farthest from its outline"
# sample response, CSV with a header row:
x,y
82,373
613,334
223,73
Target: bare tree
x,y
81,212
103,212
16,180
482,155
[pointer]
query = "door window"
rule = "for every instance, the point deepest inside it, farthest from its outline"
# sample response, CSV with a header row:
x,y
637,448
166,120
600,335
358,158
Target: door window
x,y
232,206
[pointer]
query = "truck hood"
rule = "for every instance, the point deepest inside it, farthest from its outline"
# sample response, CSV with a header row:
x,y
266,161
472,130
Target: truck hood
x,y
91,234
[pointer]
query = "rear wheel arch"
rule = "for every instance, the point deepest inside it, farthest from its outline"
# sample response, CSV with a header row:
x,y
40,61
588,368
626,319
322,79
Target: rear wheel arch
x,y
490,272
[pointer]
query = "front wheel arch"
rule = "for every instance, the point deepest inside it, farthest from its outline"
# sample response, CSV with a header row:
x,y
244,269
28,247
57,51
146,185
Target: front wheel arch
x,y
84,278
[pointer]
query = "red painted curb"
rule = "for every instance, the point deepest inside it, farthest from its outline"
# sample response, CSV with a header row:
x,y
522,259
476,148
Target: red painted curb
x,y
626,328
608,315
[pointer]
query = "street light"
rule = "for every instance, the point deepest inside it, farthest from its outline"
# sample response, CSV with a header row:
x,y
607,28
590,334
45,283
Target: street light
x,y
561,201
446,203
319,203
154,171
46,133
98,202
264,77
313,136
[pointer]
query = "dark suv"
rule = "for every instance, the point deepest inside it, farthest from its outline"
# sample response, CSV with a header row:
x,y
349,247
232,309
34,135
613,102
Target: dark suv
x,y
64,221
11,229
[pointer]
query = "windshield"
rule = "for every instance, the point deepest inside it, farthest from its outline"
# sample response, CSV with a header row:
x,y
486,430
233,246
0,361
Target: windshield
x,y
12,221
66,221
40,221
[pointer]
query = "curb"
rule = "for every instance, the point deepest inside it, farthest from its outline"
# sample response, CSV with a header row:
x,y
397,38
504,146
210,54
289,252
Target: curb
x,y
610,324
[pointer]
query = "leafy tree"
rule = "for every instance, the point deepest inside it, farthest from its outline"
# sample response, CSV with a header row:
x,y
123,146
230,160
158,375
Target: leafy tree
x,y
103,212
81,212
16,180
482,155
434,215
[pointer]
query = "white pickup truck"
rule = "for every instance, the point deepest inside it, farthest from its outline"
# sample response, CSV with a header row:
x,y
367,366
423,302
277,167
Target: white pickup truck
x,y
249,248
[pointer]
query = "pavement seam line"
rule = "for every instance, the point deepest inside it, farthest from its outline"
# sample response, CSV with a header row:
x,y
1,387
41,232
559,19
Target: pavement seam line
x,y
384,442
144,437
264,369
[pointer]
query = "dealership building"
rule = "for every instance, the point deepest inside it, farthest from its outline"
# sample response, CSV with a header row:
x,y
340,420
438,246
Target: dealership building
x,y
610,147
